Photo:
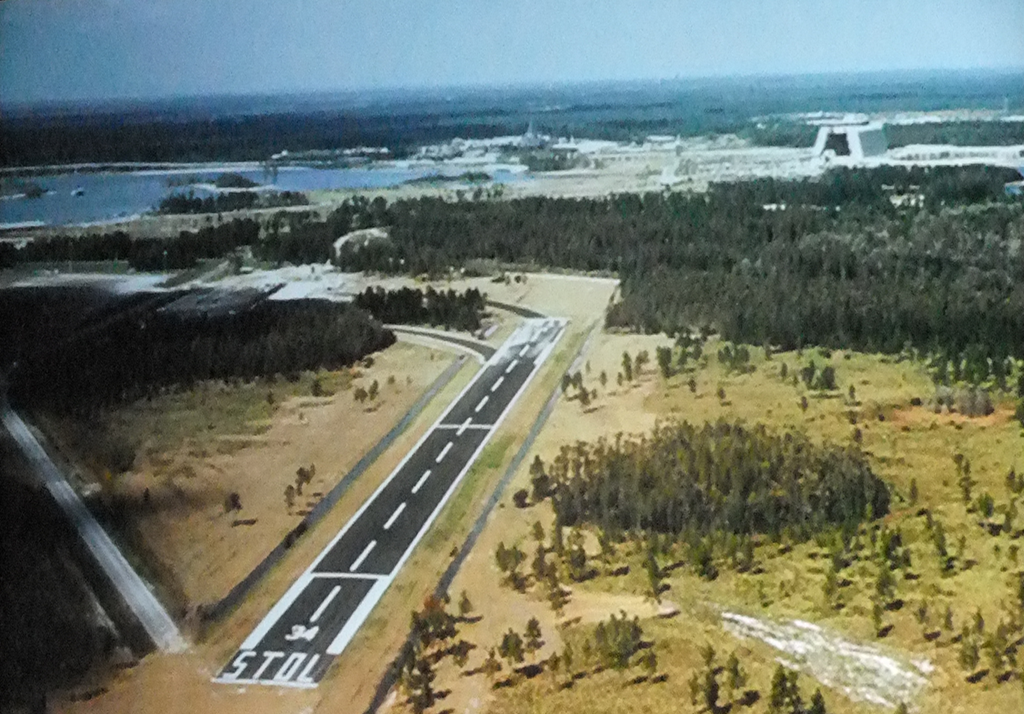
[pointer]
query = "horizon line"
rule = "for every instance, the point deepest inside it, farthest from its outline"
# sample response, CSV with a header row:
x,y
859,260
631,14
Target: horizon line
x,y
370,90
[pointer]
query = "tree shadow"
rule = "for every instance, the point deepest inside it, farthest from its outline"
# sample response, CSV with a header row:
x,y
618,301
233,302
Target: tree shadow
x,y
884,632
976,677
749,698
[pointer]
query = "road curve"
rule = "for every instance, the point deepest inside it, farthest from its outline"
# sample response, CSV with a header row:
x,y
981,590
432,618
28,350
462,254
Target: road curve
x,y
158,624
480,349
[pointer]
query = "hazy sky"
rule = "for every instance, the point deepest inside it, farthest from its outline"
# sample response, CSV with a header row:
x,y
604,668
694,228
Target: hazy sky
x,y
92,49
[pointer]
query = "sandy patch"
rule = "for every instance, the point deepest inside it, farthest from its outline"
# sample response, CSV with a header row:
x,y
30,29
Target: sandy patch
x,y
862,672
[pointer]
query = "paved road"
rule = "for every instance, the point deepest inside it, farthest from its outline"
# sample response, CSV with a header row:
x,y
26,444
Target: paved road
x,y
133,590
316,619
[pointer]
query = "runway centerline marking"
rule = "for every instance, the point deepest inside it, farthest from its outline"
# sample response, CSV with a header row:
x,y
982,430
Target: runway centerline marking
x,y
465,425
481,404
498,383
423,480
511,366
526,348
362,556
395,515
323,606
444,452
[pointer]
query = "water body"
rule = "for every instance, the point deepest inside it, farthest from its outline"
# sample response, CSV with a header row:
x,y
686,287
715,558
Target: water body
x,y
109,196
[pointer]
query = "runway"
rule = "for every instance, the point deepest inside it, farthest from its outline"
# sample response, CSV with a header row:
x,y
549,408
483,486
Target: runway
x,y
316,619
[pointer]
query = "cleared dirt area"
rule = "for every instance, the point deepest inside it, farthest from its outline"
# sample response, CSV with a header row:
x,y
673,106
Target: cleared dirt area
x,y
905,442
194,449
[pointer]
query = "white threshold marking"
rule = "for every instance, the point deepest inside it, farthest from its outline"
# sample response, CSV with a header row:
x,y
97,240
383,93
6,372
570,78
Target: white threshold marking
x,y
481,404
395,515
362,556
465,425
324,605
511,366
498,383
444,452
423,480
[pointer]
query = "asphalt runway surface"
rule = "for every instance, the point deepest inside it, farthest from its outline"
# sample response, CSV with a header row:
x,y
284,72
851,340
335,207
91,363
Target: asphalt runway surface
x,y
316,619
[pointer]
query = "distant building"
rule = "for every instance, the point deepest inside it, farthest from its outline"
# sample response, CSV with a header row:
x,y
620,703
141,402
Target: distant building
x,y
533,140
856,141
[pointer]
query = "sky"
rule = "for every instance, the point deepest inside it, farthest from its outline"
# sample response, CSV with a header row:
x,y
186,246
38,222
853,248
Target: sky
x,y
71,50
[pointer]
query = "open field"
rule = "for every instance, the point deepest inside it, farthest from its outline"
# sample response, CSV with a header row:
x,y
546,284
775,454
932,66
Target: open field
x,y
905,443
184,453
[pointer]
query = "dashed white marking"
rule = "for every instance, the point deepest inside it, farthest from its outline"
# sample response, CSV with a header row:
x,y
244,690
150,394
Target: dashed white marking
x,y
498,383
511,366
323,606
362,556
465,425
481,404
522,352
394,516
444,452
423,480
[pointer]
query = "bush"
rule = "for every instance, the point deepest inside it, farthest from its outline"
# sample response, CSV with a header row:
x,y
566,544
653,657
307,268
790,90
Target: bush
x,y
521,498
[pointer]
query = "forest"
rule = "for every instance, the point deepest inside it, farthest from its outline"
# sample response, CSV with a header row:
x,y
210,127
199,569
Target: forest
x,y
293,237
840,266
688,482
412,306
178,203
49,629
139,356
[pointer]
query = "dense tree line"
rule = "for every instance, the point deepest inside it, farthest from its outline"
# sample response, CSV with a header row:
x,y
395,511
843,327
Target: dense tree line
x,y
688,481
179,203
294,237
181,251
424,307
137,357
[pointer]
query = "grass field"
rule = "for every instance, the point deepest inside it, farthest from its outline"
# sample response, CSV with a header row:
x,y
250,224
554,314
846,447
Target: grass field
x,y
906,442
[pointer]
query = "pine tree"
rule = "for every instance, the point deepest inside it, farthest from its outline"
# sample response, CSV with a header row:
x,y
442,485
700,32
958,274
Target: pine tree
x,y
533,636
465,606
817,704
736,677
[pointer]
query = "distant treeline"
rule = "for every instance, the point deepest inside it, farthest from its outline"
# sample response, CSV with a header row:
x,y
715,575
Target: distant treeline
x,y
687,482
255,137
178,203
781,133
958,133
138,357
430,307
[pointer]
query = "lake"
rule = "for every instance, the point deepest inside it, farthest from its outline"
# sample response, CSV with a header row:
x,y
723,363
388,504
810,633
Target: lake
x,y
109,196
